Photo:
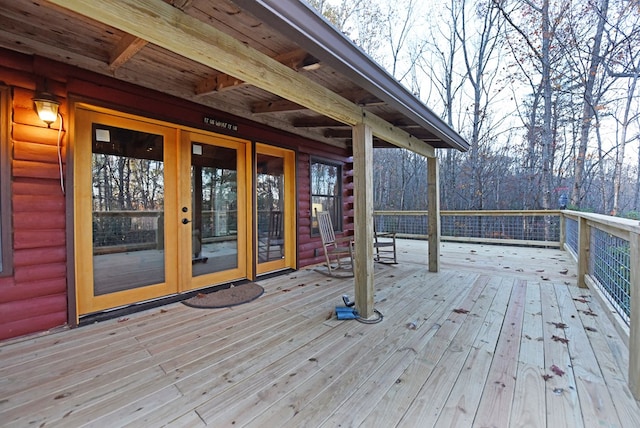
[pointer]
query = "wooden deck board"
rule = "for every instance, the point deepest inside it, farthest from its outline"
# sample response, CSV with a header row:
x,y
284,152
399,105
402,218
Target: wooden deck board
x,y
529,395
500,385
459,409
284,360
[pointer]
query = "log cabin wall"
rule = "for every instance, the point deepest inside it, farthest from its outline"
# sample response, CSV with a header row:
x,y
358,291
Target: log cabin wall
x,y
33,296
34,291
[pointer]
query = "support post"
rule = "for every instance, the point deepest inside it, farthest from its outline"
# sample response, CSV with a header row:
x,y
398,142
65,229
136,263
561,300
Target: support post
x,y
634,321
562,221
433,201
363,219
584,244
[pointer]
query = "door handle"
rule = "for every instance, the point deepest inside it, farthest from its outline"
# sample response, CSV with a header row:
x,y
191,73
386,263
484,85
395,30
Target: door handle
x,y
185,221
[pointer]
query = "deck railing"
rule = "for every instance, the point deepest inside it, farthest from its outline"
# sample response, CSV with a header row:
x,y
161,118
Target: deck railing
x,y
528,228
606,250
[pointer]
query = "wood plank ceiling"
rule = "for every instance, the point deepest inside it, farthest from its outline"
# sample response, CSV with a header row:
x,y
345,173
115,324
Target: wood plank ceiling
x,y
44,29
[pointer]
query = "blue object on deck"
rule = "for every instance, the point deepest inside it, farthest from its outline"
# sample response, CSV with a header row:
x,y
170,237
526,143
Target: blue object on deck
x,y
346,313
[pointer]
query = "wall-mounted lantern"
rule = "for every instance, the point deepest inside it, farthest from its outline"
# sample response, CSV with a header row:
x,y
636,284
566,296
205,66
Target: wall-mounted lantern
x,y
46,106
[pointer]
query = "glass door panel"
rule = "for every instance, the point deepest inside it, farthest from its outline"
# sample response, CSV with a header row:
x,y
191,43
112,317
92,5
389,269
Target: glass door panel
x,y
270,206
214,191
275,209
128,209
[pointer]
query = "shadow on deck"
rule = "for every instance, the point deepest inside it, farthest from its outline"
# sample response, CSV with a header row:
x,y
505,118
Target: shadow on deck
x,y
500,337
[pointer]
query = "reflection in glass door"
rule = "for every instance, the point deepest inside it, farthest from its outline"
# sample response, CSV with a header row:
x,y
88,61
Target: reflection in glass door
x,y
274,208
128,209
270,205
214,191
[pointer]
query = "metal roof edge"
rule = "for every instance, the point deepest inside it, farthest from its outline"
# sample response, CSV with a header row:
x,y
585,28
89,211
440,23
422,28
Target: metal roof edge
x,y
300,22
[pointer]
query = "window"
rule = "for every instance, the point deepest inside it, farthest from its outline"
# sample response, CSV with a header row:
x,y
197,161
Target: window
x,y
5,183
326,192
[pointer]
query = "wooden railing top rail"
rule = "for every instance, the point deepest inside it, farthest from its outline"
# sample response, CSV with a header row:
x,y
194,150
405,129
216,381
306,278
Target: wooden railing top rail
x,y
486,213
625,224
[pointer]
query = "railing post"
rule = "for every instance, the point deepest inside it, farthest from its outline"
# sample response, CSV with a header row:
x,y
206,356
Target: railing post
x,y
634,315
584,238
563,229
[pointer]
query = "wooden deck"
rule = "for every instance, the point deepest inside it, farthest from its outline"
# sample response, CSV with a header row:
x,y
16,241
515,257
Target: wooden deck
x,y
500,337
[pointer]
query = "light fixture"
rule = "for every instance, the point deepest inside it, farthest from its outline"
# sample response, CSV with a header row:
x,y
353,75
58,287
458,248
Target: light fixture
x,y
46,107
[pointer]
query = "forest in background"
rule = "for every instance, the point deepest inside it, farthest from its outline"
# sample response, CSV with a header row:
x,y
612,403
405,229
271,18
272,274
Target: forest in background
x,y
544,91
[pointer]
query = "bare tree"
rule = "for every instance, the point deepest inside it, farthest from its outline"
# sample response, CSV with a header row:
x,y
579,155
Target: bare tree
x,y
589,97
480,49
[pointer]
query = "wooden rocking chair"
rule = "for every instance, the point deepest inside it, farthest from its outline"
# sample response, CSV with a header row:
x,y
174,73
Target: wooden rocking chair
x,y
338,251
384,244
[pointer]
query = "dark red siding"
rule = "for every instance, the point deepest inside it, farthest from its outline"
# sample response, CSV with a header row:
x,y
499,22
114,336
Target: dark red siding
x,y
34,298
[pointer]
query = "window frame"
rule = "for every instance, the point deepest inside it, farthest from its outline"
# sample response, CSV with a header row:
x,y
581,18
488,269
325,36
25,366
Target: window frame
x,y
6,250
339,197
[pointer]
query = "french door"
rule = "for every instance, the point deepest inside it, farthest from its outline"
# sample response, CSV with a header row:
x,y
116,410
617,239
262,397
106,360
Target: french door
x,y
275,209
158,210
215,213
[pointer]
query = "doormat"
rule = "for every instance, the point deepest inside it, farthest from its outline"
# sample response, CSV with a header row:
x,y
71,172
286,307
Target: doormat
x,y
232,296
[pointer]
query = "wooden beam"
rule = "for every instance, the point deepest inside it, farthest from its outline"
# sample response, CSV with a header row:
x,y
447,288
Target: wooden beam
x,y
359,97
180,4
387,132
296,60
363,219
275,106
338,133
318,122
127,47
433,201
218,83
169,28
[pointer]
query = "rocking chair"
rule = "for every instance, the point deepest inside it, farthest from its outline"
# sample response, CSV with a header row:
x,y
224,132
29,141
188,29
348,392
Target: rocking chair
x,y
338,251
384,244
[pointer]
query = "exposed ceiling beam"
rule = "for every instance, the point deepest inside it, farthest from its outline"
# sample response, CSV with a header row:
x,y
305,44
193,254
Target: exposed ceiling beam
x,y
338,133
126,48
296,60
360,97
180,4
275,106
317,122
218,83
171,29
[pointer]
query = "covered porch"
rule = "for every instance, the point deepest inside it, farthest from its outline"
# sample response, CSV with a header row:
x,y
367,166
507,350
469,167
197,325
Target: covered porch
x,y
500,336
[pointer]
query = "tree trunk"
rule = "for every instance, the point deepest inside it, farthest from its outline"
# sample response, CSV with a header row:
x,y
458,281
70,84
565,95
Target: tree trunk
x,y
588,108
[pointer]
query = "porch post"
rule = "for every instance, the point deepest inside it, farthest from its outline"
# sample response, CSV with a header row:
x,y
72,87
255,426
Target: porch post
x,y
433,201
363,218
584,245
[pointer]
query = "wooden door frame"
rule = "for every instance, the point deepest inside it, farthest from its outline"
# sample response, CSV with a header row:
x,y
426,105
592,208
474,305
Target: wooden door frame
x,y
290,213
244,208
86,301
